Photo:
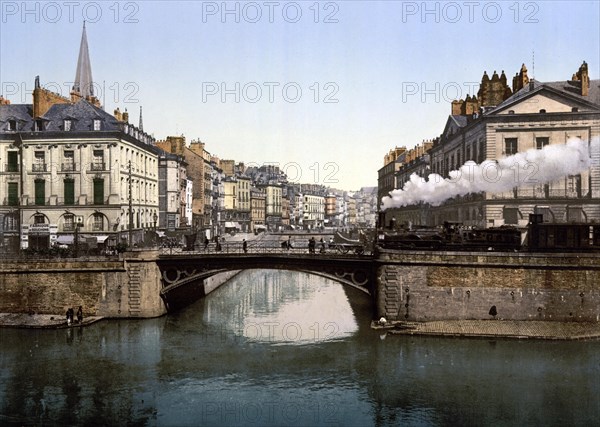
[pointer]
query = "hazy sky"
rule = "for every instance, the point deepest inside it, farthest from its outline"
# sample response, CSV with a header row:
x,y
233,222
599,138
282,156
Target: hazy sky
x,y
324,89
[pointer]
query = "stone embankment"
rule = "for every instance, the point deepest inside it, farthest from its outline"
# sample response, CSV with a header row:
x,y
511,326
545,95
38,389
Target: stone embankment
x,y
530,329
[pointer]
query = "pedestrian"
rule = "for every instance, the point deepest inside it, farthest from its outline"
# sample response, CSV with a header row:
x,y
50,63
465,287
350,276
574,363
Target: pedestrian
x,y
322,246
206,243
79,315
245,246
289,243
69,316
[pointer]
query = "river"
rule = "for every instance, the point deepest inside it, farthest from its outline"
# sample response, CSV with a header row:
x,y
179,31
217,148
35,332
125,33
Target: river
x,y
274,348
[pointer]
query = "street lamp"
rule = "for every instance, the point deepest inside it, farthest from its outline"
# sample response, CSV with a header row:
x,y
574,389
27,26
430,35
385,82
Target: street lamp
x,y
77,225
155,218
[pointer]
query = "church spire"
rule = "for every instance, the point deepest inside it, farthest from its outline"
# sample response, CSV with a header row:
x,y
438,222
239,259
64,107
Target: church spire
x,y
83,78
141,125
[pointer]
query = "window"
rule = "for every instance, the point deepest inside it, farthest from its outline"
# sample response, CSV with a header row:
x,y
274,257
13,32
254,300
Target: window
x,y
97,124
68,161
69,223
98,222
575,214
541,142
98,160
67,125
39,161
69,191
511,216
12,125
98,191
39,219
40,192
13,194
38,125
510,146
13,161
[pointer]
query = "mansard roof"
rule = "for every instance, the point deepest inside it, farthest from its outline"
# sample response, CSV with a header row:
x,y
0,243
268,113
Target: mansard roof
x,y
19,112
82,114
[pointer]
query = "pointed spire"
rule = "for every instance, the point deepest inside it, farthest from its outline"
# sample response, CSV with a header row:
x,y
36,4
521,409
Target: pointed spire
x,y
83,77
141,125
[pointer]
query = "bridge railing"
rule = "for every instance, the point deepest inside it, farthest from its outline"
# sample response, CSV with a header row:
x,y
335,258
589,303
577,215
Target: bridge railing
x,y
261,247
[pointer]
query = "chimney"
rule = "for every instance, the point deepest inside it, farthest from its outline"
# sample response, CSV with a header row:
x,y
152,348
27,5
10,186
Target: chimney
x,y
585,79
126,116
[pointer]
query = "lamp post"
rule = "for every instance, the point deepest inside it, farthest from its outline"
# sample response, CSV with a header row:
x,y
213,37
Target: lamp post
x,y
77,225
155,218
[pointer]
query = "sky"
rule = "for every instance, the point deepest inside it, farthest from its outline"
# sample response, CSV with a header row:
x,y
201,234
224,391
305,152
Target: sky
x,y
322,89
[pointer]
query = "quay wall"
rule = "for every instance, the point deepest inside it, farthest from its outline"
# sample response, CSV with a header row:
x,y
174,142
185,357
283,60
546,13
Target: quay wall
x,y
128,287
124,287
427,286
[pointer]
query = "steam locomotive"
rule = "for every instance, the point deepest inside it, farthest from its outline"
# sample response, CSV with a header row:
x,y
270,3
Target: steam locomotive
x,y
537,237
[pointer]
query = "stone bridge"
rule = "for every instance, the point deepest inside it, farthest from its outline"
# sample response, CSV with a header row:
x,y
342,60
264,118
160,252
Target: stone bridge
x,y
183,274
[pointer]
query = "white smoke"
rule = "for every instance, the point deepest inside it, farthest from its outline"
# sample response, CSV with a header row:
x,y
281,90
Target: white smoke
x,y
532,167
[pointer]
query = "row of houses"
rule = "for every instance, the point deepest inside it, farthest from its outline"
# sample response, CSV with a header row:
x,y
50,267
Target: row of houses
x,y
70,169
497,123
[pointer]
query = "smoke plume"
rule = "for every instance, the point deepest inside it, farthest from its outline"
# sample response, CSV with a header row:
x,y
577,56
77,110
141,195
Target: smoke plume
x,y
532,167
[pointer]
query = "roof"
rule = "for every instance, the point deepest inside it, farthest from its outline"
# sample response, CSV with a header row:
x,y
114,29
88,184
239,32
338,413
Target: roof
x,y
571,89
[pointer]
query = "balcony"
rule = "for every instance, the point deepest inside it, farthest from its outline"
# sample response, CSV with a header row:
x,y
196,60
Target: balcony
x,y
68,167
11,167
97,166
39,167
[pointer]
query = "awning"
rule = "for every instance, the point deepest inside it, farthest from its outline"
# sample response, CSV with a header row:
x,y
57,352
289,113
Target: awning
x,y
65,239
232,225
160,233
260,227
101,239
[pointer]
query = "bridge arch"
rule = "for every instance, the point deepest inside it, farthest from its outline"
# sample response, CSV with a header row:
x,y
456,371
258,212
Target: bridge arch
x,y
183,278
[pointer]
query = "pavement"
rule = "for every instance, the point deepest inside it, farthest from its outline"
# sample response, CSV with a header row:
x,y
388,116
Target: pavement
x,y
526,329
41,321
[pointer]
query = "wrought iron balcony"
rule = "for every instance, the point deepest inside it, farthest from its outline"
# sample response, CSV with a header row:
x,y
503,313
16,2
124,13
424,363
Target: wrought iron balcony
x,y
39,167
98,166
68,167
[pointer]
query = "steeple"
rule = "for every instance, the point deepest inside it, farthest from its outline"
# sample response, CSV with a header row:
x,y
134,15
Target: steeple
x,y
141,125
83,78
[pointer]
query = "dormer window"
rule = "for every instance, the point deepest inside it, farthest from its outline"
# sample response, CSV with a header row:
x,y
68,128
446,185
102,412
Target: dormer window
x,y
38,125
542,111
12,125
67,125
574,109
511,111
97,124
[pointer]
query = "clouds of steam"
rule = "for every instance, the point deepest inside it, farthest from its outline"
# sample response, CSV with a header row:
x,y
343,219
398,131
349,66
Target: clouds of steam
x,y
532,167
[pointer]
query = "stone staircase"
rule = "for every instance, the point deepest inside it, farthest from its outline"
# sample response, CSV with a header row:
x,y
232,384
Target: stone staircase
x,y
134,291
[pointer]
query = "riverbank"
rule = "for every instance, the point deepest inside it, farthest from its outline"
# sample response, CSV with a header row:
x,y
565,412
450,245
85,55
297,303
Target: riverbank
x,y
41,321
532,329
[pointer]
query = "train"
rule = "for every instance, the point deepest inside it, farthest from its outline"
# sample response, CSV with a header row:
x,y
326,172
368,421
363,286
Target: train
x,y
537,236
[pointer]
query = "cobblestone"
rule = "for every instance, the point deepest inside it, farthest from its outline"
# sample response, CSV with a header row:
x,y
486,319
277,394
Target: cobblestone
x,y
497,328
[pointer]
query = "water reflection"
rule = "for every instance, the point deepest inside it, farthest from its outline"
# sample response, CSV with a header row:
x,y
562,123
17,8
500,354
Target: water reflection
x,y
267,306
207,366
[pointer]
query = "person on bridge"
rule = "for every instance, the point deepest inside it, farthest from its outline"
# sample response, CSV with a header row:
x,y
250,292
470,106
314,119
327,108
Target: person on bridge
x,y
322,250
245,246
206,243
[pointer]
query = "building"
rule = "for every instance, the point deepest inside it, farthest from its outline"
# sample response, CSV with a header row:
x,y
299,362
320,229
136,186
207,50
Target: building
x,y
173,192
530,116
314,211
244,204
257,209
69,168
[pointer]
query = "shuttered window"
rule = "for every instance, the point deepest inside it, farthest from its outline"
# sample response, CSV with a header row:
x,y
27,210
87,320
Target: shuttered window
x,y
13,161
13,194
40,192
98,191
69,191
